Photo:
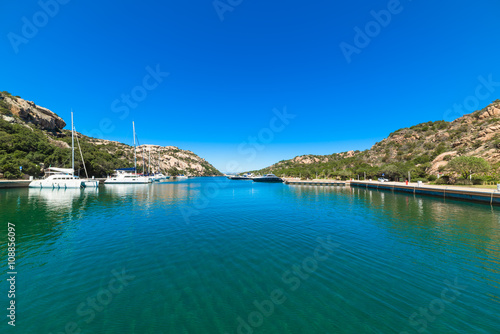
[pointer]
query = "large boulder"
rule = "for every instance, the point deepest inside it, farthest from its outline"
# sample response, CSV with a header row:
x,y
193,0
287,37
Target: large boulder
x,y
29,112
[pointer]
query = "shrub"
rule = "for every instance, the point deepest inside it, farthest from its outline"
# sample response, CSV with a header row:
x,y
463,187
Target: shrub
x,y
423,179
429,146
424,158
477,181
443,180
440,125
477,144
495,143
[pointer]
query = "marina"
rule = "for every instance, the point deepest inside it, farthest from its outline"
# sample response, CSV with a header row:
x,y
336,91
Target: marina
x,y
291,169
392,256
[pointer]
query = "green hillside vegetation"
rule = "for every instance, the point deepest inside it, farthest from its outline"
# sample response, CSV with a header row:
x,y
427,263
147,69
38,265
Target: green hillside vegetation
x,y
31,148
34,149
411,150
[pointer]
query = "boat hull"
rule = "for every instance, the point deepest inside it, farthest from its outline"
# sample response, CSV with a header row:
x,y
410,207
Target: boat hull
x,y
268,180
90,183
52,184
131,181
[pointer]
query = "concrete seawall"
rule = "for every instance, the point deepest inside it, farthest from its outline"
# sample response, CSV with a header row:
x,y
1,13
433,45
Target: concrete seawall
x,y
477,195
14,183
315,182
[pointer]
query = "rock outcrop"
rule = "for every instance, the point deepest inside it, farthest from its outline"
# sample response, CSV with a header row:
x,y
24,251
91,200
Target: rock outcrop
x,y
163,158
169,159
29,112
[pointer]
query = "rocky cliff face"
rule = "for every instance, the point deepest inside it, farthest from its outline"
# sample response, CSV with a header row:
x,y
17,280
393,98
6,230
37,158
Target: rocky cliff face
x,y
163,158
13,107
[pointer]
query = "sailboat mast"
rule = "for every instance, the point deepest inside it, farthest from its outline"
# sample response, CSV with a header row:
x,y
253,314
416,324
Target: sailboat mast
x,y
135,150
149,161
143,163
72,146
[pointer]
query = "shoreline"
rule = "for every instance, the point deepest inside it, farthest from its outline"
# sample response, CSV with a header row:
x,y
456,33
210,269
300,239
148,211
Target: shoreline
x,y
481,195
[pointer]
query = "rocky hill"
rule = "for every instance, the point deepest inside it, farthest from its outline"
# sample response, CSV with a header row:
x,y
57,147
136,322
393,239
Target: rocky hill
x,y
33,137
423,149
14,108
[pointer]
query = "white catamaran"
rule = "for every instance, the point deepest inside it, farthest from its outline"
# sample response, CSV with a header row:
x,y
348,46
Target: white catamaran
x,y
128,175
62,177
58,178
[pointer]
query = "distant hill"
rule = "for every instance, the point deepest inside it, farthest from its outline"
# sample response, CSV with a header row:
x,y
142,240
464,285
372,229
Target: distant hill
x,y
423,149
33,137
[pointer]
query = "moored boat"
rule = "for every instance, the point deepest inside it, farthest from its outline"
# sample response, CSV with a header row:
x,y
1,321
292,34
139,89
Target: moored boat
x,y
58,178
128,175
158,177
271,178
61,177
240,177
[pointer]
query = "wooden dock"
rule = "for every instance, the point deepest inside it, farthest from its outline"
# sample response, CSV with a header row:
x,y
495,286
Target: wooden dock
x,y
295,182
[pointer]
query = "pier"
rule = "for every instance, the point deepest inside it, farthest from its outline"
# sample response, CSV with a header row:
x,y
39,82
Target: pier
x,y
315,182
489,196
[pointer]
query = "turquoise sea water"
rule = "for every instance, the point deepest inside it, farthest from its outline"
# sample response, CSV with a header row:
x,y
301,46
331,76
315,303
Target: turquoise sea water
x,y
209,255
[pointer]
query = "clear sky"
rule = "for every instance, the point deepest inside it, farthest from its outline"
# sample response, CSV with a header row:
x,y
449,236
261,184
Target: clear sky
x,y
252,81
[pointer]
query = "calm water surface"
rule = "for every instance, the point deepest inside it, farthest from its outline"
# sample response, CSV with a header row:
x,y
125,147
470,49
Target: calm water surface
x,y
208,255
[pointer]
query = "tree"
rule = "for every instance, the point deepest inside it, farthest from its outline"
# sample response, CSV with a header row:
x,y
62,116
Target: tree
x,y
466,166
391,171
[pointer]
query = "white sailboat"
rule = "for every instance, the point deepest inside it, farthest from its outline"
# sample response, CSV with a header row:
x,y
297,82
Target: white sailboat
x,y
57,178
128,175
158,176
61,177
86,182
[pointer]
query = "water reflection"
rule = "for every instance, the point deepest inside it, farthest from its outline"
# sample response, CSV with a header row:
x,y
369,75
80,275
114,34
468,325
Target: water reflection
x,y
54,199
396,251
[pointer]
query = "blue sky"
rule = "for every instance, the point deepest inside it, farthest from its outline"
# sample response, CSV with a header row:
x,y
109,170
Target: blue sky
x,y
189,79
